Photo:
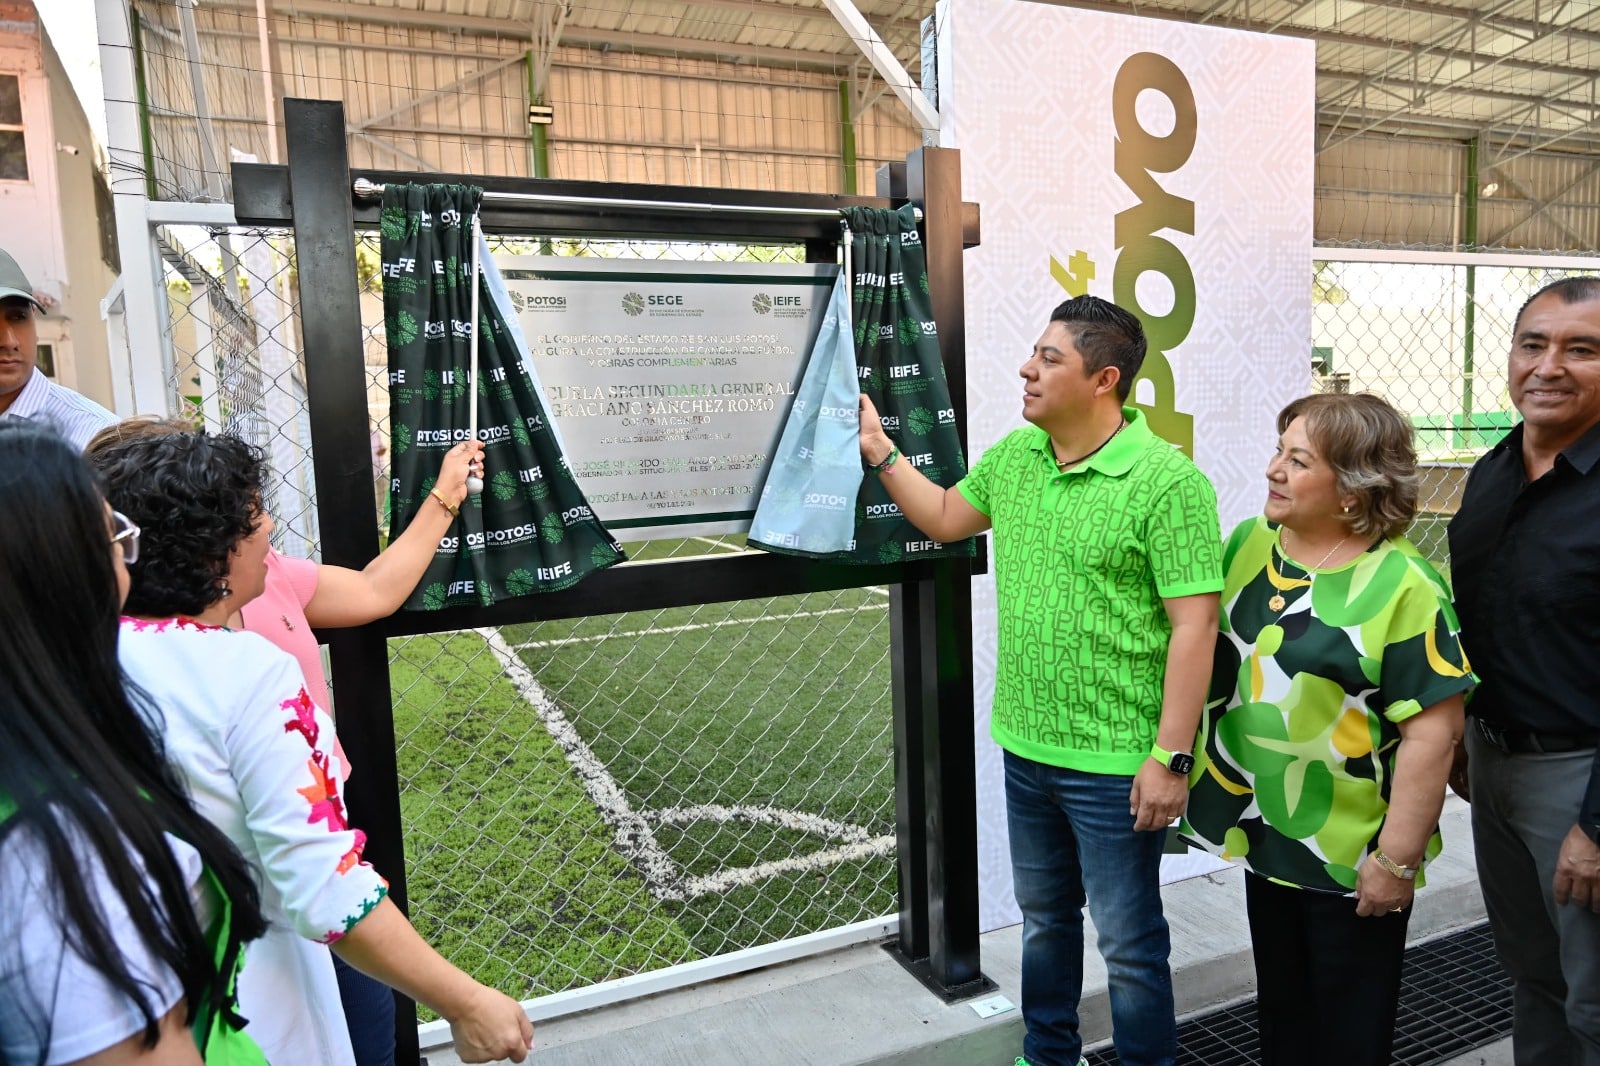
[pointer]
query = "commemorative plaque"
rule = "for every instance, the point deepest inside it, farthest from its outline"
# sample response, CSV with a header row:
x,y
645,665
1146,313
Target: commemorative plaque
x,y
668,382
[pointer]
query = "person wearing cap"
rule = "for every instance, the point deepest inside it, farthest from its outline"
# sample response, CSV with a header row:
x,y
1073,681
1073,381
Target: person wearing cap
x,y
24,390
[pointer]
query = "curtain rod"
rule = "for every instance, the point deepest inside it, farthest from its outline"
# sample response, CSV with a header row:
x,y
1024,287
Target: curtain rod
x,y
367,190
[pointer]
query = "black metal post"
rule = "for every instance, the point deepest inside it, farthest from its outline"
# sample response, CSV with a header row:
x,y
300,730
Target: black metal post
x,y
933,180
908,667
907,690
336,386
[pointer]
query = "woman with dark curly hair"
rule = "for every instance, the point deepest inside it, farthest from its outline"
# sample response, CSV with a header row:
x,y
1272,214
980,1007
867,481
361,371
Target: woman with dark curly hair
x,y
258,753
1336,704
122,911
302,596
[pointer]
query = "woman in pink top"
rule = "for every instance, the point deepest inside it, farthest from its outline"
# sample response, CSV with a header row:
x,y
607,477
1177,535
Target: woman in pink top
x,y
302,595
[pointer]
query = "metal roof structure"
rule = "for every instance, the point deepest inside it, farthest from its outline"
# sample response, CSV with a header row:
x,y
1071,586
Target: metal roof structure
x,y
1522,72
1416,99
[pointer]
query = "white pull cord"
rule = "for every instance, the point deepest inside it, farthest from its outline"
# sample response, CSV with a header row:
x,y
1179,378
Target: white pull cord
x,y
474,483
849,275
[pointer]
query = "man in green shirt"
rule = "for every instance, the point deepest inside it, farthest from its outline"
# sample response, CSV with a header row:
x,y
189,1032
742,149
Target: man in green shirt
x,y
1107,564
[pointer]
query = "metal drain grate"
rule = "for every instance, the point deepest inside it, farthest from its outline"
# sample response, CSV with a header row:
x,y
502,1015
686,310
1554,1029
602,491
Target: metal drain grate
x,y
1453,997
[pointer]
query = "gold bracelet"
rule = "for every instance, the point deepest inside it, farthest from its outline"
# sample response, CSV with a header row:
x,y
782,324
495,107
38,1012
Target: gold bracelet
x,y
455,512
1405,873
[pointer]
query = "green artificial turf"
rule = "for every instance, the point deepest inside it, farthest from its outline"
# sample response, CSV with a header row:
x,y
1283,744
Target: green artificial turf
x,y
510,870
761,704
755,706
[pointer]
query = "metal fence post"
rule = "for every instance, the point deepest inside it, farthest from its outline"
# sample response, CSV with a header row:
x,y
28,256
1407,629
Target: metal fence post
x,y
933,180
330,315
910,782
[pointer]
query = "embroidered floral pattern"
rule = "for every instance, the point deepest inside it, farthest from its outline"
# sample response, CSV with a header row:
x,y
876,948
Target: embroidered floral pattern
x,y
305,718
161,625
367,906
323,795
352,858
323,792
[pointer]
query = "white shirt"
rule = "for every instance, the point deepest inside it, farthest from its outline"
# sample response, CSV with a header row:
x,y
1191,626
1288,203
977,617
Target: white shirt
x,y
74,416
51,999
258,756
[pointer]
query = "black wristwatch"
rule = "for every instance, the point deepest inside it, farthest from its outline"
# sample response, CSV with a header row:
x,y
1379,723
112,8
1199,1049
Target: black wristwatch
x,y
1179,762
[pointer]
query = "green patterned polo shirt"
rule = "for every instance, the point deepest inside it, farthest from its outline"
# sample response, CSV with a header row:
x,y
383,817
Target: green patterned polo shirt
x,y
1082,561
1294,773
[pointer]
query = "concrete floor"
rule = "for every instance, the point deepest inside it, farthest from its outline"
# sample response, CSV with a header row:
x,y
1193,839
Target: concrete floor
x,y
857,1007
1495,1054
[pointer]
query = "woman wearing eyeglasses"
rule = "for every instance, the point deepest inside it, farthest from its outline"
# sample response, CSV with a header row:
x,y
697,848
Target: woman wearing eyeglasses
x,y
302,596
123,912
258,753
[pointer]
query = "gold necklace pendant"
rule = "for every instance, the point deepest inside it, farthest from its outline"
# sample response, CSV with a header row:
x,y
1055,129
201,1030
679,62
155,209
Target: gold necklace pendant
x,y
1283,582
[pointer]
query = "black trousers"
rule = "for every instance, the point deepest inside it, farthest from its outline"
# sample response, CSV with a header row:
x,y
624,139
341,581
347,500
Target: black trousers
x,y
1327,981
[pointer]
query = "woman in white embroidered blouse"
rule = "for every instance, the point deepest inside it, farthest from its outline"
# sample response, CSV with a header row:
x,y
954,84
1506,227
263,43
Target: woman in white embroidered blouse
x,y
258,754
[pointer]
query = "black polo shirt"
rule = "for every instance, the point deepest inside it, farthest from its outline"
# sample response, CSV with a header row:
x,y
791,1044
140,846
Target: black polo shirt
x,y
1525,563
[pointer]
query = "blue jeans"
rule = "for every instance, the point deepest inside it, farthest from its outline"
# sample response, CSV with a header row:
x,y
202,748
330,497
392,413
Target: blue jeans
x,y
368,1014
1072,835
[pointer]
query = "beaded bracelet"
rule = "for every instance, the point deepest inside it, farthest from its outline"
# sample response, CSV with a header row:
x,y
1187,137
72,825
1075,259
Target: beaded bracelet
x,y
888,460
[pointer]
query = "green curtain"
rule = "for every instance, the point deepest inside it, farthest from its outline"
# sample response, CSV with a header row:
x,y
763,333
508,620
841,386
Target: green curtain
x,y
897,357
531,530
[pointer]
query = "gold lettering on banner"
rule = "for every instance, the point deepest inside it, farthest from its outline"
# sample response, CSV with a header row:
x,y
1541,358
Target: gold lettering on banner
x,y
1139,157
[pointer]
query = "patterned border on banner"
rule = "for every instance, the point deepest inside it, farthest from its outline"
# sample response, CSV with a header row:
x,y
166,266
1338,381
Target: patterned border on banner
x,y
1162,165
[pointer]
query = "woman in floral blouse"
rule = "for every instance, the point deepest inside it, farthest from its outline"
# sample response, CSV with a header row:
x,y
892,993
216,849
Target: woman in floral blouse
x,y
259,756
1336,703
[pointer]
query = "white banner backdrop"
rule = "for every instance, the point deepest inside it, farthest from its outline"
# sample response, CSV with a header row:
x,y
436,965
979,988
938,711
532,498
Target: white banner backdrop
x,y
1167,167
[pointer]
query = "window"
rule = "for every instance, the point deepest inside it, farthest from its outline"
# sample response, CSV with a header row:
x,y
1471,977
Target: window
x,y
13,150
46,360
106,215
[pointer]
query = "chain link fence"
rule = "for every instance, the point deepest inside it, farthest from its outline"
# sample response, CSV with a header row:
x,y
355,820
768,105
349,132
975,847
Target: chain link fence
x,y
1433,340
591,798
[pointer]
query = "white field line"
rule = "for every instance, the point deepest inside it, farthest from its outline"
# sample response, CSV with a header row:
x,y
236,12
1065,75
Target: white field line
x,y
635,840
856,843
634,837
694,626
802,821
876,590
718,542
729,879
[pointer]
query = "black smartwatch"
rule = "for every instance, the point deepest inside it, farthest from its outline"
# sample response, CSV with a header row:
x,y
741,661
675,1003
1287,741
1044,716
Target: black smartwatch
x,y
1179,762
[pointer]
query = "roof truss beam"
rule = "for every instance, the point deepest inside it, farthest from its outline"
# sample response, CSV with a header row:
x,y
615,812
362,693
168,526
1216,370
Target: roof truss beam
x,y
1406,89
1544,205
427,98
1512,24
477,25
885,62
1329,36
1467,28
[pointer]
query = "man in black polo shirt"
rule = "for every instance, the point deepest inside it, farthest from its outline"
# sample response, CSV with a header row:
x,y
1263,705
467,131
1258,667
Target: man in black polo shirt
x,y
1525,553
